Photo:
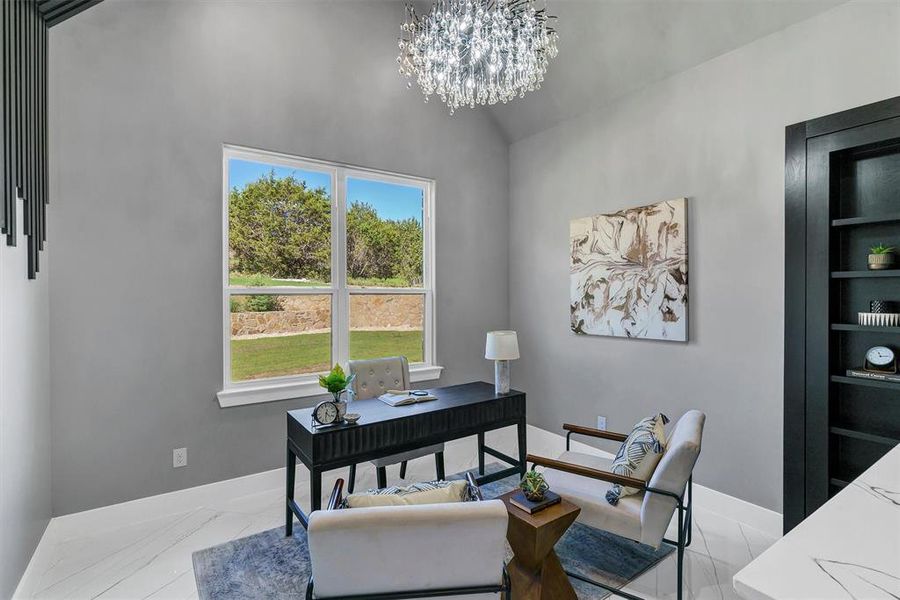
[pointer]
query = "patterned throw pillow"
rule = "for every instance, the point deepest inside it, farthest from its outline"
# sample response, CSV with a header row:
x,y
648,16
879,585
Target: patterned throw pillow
x,y
639,455
428,492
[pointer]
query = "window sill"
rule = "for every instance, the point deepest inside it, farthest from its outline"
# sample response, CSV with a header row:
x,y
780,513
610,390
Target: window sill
x,y
272,392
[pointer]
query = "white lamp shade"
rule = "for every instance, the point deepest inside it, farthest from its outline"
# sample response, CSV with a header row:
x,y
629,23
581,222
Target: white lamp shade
x,y
501,345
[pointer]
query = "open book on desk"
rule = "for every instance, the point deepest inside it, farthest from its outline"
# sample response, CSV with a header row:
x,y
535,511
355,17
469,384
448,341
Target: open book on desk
x,y
405,397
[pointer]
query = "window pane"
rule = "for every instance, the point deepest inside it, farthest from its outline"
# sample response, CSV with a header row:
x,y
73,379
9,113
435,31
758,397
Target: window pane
x,y
275,336
279,225
384,234
387,325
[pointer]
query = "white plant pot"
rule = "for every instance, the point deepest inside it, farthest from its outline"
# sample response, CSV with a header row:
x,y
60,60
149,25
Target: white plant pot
x,y
881,261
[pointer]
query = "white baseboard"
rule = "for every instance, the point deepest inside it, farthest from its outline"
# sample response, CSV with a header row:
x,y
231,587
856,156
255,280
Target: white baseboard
x,y
761,518
63,527
152,507
37,558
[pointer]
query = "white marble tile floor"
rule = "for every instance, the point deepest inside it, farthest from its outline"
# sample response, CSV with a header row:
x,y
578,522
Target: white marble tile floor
x,y
107,554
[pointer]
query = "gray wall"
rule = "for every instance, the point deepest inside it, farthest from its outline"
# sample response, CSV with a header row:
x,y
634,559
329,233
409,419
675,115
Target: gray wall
x,y
24,409
143,96
714,133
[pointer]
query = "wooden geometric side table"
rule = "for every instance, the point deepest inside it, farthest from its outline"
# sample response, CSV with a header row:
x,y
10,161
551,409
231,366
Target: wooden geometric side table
x,y
535,571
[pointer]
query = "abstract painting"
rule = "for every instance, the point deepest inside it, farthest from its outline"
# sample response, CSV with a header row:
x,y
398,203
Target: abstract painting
x,y
629,275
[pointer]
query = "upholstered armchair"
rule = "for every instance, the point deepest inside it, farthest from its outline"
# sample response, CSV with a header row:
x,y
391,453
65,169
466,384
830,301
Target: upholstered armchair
x,y
374,378
415,551
644,517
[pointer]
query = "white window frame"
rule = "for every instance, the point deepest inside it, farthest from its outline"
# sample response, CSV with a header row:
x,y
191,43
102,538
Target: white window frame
x,y
237,393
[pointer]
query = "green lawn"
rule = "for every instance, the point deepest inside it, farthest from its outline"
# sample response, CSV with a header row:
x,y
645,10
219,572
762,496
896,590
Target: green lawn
x,y
311,352
262,280
266,281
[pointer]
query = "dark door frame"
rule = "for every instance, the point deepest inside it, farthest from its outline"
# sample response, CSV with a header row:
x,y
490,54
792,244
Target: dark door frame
x,y
799,494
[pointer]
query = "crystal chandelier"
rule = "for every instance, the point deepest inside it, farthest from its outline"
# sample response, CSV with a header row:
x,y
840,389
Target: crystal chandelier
x,y
472,52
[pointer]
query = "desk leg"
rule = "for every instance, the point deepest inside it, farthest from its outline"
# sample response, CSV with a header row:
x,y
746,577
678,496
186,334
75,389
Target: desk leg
x,y
439,466
523,451
352,483
481,453
291,471
315,490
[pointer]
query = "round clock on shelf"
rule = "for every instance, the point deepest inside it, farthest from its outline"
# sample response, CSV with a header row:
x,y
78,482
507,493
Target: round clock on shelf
x,y
326,413
880,359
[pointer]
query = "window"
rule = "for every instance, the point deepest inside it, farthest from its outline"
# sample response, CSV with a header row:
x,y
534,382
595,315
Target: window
x,y
323,263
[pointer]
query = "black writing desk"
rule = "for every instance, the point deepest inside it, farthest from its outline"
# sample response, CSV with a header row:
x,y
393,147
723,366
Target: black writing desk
x,y
459,411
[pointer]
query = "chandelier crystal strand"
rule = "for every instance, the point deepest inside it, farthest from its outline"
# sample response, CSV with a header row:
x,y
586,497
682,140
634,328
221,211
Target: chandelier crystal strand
x,y
472,52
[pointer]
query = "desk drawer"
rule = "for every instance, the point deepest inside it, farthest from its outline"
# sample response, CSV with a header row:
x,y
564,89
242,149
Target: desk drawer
x,y
366,442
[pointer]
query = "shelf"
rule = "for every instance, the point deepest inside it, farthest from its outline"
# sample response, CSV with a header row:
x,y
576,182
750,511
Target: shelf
x,y
865,221
868,328
855,274
839,482
885,385
866,437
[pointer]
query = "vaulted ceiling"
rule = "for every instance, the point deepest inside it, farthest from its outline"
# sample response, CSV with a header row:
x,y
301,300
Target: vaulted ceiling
x,y
608,48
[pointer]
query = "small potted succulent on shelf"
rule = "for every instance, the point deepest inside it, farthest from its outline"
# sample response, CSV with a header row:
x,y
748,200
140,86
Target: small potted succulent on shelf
x,y
337,383
881,257
533,486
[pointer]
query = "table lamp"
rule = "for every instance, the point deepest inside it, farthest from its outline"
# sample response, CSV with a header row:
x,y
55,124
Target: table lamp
x,y
501,347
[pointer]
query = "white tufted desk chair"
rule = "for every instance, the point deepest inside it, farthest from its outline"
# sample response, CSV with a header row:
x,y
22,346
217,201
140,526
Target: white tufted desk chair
x,y
373,378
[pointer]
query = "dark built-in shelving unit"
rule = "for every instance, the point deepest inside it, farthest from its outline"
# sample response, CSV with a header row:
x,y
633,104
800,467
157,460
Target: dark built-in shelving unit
x,y
842,196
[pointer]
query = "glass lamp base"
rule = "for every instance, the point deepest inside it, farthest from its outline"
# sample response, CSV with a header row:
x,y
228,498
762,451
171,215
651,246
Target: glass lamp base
x,y
501,376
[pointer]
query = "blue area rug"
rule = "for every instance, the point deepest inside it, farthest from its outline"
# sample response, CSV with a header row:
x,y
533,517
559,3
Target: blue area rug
x,y
272,567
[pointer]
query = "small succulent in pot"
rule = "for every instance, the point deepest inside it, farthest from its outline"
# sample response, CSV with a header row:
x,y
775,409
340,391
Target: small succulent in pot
x,y
881,257
533,485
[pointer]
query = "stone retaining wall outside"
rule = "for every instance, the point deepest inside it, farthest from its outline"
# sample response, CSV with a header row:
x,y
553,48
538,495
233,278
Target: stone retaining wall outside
x,y
312,314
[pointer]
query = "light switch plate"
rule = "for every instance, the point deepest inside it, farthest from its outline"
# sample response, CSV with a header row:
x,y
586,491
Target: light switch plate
x,y
601,423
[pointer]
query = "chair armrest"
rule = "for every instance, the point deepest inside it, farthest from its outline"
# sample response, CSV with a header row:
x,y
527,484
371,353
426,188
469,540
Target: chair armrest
x,y
597,433
335,500
473,486
586,471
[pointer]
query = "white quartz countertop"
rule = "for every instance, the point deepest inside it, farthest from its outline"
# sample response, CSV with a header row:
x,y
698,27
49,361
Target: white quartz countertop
x,y
848,549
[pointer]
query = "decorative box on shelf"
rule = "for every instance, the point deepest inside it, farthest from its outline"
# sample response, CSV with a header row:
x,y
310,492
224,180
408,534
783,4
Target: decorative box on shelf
x,y
879,319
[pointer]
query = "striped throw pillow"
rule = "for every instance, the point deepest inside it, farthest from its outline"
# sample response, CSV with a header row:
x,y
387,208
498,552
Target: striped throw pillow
x,y
639,455
428,492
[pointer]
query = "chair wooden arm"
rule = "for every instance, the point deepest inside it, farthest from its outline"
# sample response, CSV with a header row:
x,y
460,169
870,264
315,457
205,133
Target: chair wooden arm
x,y
597,433
335,500
586,471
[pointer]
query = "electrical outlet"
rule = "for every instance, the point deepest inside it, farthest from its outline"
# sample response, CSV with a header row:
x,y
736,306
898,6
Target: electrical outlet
x,y
179,457
601,423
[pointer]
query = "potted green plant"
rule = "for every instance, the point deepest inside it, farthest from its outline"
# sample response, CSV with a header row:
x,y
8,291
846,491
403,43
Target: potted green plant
x,y
881,257
337,383
533,486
